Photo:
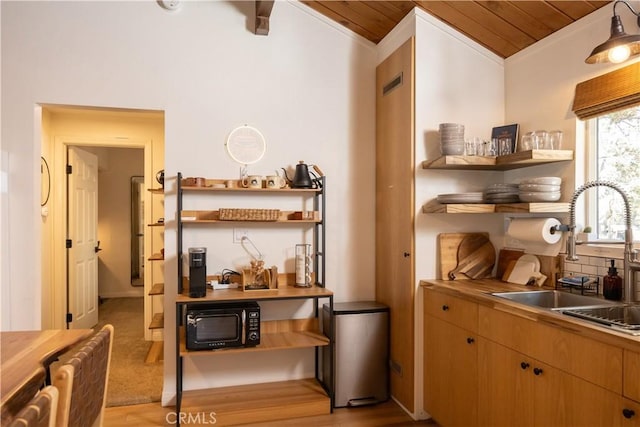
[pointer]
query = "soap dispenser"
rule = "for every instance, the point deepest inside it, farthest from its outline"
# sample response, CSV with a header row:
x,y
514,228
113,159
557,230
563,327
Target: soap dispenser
x,y
612,284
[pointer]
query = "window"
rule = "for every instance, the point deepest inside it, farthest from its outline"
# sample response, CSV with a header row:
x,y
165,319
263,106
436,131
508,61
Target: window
x,y
614,155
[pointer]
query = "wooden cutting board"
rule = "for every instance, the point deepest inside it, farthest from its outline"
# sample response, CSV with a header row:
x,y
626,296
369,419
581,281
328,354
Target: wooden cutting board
x,y
465,255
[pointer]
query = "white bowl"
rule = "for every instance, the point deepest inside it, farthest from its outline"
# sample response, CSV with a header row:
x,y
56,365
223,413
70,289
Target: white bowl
x,y
539,196
548,180
539,187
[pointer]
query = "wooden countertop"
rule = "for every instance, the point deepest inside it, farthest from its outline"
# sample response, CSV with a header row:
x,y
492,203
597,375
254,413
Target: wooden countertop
x,y
480,290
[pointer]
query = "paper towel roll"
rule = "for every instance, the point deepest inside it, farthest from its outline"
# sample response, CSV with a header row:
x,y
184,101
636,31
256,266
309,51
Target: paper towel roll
x,y
534,230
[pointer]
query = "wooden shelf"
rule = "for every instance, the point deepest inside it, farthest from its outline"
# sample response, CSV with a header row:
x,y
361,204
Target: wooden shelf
x,y
157,322
156,257
256,403
517,160
474,208
156,224
214,216
156,190
219,185
274,335
283,292
157,289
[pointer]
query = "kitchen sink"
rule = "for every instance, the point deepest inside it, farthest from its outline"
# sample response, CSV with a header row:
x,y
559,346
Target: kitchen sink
x,y
625,318
553,299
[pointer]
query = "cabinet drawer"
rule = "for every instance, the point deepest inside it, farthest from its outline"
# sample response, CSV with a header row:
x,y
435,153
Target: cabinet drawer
x,y
632,376
451,309
586,358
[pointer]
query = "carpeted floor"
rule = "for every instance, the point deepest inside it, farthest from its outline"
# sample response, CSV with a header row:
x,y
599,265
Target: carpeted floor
x,y
131,380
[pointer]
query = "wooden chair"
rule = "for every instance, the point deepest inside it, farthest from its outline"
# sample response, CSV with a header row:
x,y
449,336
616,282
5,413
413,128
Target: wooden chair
x,y
82,382
40,411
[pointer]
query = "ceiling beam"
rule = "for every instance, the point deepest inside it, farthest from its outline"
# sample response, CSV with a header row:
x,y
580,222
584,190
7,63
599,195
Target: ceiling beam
x,y
263,12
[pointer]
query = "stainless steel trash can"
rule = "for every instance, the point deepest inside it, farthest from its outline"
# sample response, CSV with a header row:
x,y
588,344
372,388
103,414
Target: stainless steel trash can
x,y
361,356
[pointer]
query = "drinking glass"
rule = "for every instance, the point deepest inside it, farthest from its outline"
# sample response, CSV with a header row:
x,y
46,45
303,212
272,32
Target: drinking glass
x,y
526,143
555,140
539,139
491,147
504,146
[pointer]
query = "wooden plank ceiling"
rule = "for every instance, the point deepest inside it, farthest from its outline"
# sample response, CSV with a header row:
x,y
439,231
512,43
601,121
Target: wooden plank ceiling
x,y
504,27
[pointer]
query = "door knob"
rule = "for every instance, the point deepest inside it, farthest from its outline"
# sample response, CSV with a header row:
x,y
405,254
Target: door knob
x,y
97,248
628,413
470,340
537,371
524,365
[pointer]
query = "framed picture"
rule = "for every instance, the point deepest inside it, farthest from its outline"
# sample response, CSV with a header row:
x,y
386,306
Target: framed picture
x,y
507,131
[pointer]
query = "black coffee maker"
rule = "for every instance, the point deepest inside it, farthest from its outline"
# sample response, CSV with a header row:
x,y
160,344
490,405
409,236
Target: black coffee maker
x,y
197,272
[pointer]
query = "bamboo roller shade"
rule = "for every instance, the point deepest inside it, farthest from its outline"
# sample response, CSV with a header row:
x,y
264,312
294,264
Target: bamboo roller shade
x,y
609,92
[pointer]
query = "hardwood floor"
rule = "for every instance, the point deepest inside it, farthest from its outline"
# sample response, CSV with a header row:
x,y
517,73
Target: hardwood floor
x,y
387,414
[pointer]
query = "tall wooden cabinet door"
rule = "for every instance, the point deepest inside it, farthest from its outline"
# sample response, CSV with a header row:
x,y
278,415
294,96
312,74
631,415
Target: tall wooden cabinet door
x,y
450,373
395,281
505,387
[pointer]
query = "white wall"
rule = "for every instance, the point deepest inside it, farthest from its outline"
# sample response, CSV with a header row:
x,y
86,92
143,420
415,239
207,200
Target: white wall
x,y
540,84
308,86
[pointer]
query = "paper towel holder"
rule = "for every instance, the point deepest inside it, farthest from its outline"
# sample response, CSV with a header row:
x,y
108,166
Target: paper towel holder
x,y
555,229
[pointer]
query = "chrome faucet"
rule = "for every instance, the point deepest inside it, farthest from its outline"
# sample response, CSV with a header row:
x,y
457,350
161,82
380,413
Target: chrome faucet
x,y
631,264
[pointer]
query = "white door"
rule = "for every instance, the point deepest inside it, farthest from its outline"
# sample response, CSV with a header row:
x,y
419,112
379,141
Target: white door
x,y
82,229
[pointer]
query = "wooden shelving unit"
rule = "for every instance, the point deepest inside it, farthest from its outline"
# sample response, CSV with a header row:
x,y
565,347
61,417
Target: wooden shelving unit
x,y
258,402
521,159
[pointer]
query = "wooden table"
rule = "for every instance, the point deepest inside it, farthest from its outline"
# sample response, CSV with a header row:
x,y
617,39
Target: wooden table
x,y
24,359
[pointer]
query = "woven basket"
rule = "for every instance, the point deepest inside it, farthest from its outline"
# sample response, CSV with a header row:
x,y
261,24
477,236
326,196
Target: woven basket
x,y
232,214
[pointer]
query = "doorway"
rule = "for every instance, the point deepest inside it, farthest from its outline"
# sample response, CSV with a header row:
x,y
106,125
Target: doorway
x,y
99,129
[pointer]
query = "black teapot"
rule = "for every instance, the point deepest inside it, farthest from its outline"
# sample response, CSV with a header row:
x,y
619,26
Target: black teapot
x,y
302,178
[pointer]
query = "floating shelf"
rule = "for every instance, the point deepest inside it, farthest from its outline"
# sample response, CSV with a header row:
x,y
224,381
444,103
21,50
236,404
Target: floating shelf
x,y
435,207
157,322
157,224
157,289
156,190
156,257
517,160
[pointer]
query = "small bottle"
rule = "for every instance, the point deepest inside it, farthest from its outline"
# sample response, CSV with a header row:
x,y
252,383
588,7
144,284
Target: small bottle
x,y
612,284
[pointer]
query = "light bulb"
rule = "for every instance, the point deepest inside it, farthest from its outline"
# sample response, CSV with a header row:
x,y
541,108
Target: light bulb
x,y
619,53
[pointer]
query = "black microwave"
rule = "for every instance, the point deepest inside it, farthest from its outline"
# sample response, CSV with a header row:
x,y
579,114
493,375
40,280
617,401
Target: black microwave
x,y
222,325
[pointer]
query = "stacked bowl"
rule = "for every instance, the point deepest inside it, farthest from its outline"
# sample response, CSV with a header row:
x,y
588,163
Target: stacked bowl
x,y
451,138
502,193
541,189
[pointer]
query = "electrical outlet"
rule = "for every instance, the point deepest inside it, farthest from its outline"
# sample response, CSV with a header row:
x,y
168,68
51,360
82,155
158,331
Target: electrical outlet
x,y
239,234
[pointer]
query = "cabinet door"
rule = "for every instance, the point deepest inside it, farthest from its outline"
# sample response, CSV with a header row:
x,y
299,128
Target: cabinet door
x,y
505,386
632,375
395,283
450,373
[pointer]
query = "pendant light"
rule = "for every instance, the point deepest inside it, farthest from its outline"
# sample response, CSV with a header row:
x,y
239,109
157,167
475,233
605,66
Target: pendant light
x,y
620,45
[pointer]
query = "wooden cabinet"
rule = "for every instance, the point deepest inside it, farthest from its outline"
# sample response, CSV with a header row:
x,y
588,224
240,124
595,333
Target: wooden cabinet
x,y
486,367
450,359
252,403
631,385
515,389
395,264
